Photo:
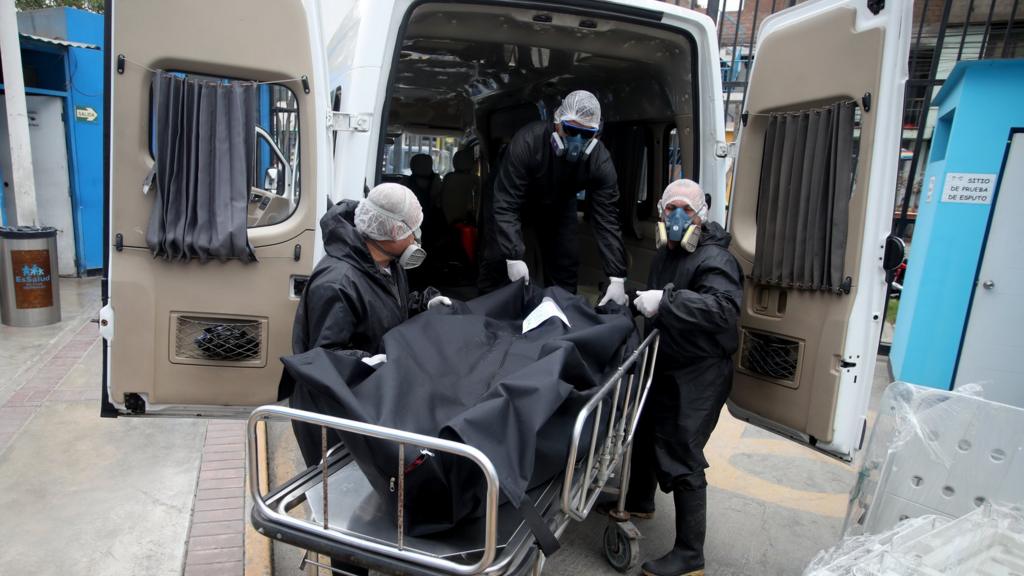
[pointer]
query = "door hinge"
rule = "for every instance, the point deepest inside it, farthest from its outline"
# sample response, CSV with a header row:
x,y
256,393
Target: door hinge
x,y
865,102
725,149
876,6
744,117
119,242
345,122
120,63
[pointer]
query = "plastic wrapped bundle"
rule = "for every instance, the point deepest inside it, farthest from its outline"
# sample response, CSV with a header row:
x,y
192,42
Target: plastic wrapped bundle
x,y
935,452
989,541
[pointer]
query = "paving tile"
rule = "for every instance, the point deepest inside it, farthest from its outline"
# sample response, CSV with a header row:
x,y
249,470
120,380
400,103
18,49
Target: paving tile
x,y
71,351
24,404
216,515
12,425
226,440
215,556
220,504
19,396
218,474
61,362
224,569
220,483
221,456
237,446
35,387
217,493
221,429
15,413
47,374
223,464
215,542
39,395
228,527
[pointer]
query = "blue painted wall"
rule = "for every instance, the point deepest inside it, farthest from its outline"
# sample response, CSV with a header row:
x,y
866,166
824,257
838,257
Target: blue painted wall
x,y
75,74
85,144
978,105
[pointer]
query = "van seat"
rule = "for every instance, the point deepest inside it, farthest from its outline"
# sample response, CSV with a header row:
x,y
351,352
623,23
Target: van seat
x,y
460,188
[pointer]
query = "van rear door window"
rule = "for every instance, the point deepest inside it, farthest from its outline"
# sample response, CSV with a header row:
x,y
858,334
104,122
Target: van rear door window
x,y
807,176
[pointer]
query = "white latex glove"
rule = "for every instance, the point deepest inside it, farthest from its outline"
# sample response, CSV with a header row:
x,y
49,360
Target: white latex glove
x,y
647,302
439,301
616,292
517,269
375,360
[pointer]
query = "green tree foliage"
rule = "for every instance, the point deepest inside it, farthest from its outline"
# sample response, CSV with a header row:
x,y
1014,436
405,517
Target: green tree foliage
x,y
91,5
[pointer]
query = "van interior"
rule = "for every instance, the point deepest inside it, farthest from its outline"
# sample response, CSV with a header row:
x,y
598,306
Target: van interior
x,y
466,77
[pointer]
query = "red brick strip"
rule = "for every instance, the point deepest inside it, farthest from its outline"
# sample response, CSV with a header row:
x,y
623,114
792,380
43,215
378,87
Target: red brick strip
x,y
40,385
216,537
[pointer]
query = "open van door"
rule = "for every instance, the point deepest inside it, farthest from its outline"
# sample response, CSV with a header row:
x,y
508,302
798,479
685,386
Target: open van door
x,y
184,337
810,214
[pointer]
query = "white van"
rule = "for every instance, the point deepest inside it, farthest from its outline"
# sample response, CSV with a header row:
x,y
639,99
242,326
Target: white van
x,y
342,81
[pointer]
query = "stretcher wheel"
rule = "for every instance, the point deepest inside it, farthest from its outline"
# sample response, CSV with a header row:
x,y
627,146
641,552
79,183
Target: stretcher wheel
x,y
622,545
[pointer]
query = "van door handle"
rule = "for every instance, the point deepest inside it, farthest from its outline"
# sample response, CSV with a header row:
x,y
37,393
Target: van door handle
x,y
988,284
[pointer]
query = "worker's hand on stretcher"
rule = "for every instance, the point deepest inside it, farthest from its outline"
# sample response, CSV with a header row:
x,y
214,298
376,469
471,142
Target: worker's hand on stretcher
x,y
517,270
647,302
439,301
616,292
374,361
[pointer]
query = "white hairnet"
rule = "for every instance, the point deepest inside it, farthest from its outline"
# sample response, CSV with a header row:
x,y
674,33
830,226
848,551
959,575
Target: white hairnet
x,y
389,212
687,192
580,107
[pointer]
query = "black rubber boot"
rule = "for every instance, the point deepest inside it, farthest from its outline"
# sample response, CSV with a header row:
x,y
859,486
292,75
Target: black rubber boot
x,y
687,556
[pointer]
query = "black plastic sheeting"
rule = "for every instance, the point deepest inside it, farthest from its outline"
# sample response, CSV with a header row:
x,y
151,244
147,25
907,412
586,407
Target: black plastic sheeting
x,y
468,374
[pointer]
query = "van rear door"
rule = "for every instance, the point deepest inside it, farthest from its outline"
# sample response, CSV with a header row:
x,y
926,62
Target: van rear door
x,y
184,337
808,346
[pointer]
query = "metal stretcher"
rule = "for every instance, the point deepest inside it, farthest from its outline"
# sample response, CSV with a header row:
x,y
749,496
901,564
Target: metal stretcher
x,y
345,519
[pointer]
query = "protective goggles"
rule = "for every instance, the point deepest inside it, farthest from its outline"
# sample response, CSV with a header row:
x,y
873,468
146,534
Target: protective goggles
x,y
572,130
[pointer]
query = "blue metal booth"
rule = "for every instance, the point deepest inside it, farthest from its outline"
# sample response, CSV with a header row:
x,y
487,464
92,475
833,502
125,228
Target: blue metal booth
x,y
62,60
960,312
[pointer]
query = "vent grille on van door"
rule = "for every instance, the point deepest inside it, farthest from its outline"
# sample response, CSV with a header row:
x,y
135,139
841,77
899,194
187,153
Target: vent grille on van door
x,y
770,356
218,341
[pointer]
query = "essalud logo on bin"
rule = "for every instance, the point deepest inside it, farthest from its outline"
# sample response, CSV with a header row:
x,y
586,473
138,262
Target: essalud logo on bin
x,y
31,275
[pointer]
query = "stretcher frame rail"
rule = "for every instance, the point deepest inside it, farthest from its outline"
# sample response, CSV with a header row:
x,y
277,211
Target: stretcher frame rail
x,y
579,494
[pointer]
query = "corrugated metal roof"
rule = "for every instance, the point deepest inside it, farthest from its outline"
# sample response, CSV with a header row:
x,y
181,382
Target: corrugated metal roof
x,y
59,42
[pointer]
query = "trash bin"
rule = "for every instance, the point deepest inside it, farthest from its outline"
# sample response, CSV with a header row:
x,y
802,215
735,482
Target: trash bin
x,y
30,285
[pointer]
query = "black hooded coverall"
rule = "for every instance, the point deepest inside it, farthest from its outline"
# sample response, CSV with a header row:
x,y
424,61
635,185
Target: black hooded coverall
x,y
537,189
698,319
348,304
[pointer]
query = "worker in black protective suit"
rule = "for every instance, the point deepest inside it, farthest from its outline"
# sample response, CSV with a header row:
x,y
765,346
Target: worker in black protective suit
x,y
694,298
359,290
541,172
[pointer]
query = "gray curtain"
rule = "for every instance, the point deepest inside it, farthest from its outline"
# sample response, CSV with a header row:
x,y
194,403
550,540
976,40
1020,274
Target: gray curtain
x,y
804,198
203,142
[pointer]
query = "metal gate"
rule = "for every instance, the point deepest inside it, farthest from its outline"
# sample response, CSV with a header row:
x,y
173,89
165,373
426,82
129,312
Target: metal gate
x,y
945,32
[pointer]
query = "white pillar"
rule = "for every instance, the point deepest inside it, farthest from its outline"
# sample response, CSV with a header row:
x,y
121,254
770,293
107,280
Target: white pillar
x,y
24,198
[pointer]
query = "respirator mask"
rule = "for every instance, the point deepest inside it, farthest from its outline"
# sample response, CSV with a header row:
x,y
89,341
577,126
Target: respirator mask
x,y
578,142
411,257
678,226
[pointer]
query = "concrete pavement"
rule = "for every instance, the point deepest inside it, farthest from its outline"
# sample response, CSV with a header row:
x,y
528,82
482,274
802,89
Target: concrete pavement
x,y
84,495
80,494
